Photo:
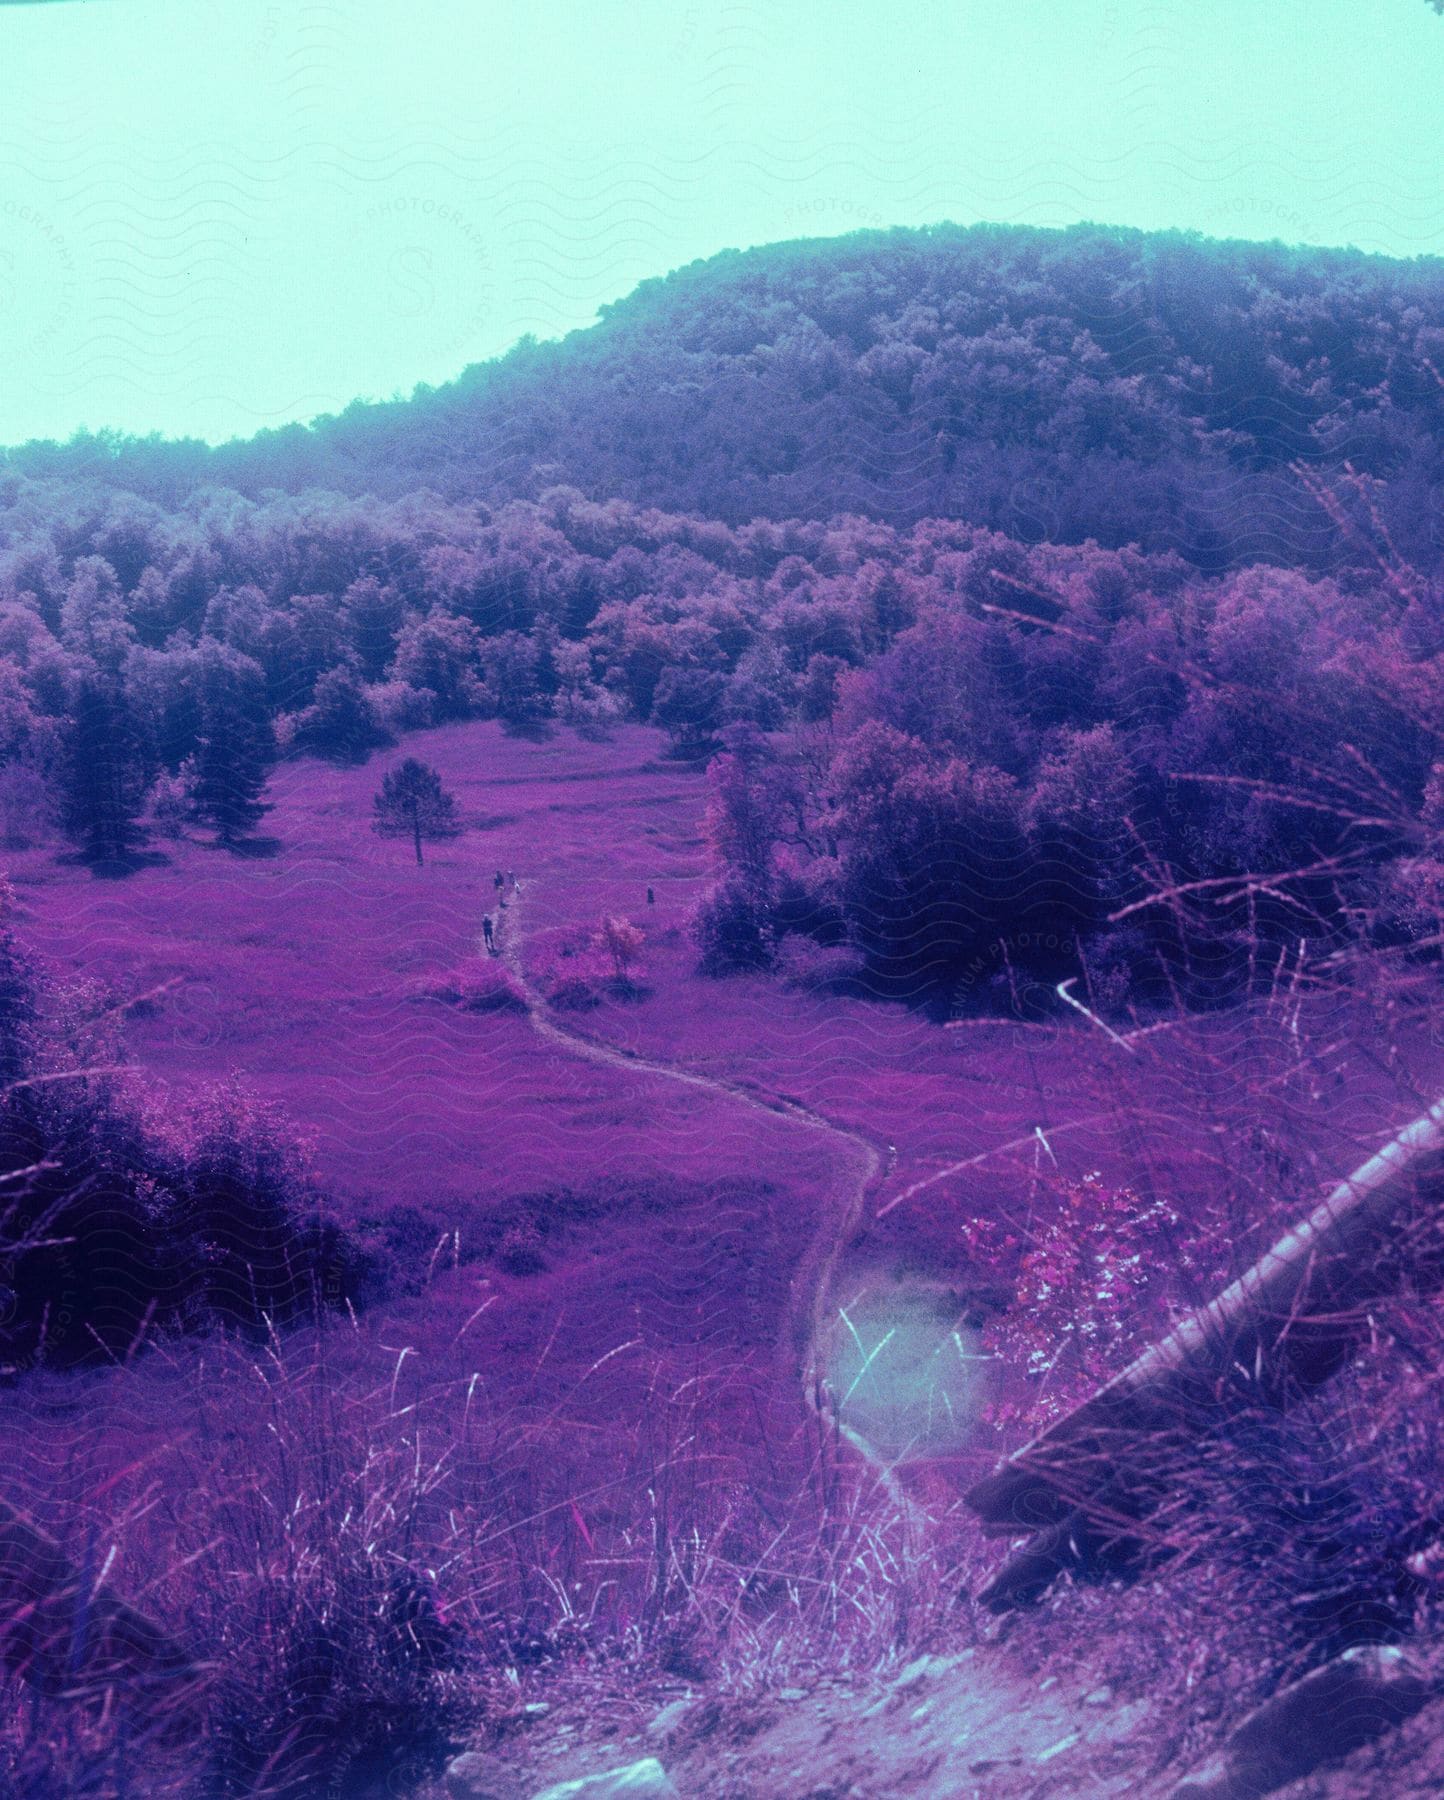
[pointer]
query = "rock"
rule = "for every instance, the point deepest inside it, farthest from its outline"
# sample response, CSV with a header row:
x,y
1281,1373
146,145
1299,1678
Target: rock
x,y
468,1777
670,1717
644,1780
536,1709
1331,1711
921,1668
1101,1696
792,1693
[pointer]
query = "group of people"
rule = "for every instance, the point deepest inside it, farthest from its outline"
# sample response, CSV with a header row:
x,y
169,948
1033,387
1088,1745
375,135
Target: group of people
x,y
504,882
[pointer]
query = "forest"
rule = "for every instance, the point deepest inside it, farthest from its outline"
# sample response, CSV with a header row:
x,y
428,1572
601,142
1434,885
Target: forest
x,y
1134,388
934,738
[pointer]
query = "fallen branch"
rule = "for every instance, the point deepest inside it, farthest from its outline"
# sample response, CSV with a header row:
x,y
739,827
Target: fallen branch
x,y
1283,1328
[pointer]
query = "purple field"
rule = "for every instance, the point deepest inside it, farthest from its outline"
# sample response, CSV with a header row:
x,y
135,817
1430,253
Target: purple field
x,y
615,1239
309,975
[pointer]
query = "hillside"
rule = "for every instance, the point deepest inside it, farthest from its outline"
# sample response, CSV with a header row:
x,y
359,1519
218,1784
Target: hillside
x,y
616,977
1125,386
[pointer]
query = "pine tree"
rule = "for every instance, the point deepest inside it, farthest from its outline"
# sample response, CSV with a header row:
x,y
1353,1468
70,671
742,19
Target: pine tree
x,y
17,998
103,771
236,747
412,802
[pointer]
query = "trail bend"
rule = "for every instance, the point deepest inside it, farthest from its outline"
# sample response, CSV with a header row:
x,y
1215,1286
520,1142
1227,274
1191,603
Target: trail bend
x,y
812,1281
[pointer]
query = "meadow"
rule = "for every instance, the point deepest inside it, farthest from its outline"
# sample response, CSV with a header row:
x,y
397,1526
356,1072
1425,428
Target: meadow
x,y
618,977
679,1343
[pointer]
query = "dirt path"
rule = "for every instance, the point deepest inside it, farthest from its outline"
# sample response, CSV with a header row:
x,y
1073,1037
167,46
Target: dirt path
x,y
945,1726
807,1310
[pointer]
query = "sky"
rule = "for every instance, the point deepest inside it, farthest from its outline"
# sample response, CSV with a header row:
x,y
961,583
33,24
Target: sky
x,y
218,215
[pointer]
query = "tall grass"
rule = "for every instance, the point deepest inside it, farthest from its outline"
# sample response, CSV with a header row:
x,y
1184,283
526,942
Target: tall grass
x,y
371,1568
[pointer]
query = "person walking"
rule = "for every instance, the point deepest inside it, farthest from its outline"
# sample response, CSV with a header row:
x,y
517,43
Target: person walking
x,y
486,934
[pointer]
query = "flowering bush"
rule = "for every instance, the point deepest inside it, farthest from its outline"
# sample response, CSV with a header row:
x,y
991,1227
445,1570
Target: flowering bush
x,y
1088,1292
621,941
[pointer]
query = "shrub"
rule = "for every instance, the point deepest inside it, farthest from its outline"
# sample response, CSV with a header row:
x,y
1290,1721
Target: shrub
x,y
520,1251
575,990
732,930
570,969
621,941
117,1222
482,985
172,803
1090,1289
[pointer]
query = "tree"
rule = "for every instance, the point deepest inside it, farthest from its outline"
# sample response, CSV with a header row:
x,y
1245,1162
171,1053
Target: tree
x,y
438,652
17,997
103,771
412,802
512,663
237,746
341,721
621,940
688,706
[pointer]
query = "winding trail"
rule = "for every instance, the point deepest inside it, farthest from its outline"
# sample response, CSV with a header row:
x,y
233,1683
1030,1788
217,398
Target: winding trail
x,y
811,1286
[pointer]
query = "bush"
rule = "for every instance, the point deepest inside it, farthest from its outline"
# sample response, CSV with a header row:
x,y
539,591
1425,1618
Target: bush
x,y
570,969
806,905
172,803
482,985
621,941
733,931
1090,1289
338,1662
116,1223
575,990
520,1251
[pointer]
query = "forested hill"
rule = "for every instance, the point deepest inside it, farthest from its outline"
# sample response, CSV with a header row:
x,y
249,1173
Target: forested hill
x,y
1055,385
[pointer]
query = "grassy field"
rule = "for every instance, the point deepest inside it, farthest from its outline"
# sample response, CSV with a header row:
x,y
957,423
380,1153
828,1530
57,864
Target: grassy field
x,y
608,1248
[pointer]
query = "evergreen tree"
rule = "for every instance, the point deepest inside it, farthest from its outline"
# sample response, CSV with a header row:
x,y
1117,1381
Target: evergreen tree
x,y
104,771
17,998
412,802
236,747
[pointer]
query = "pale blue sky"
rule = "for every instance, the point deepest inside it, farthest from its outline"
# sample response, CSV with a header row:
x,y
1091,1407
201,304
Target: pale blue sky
x,y
222,214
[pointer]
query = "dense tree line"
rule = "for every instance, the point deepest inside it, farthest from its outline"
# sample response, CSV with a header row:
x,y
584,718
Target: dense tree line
x,y
965,738
1079,761
1153,388
972,754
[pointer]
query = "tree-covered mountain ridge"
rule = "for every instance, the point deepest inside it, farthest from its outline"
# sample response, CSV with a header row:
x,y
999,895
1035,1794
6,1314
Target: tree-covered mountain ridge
x,y
1156,388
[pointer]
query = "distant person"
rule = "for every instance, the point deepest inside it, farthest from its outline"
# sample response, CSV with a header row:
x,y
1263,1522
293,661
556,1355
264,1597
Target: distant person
x,y
486,934
651,898
499,879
